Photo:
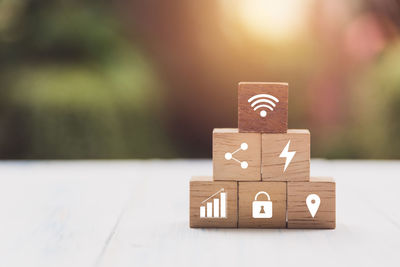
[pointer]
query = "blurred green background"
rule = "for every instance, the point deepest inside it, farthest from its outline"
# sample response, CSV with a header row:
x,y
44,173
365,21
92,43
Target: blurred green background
x,y
151,79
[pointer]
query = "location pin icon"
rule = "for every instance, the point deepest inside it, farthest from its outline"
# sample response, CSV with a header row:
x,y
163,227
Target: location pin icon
x,y
313,202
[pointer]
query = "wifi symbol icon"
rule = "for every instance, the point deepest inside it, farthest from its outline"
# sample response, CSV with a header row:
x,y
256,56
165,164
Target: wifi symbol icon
x,y
263,102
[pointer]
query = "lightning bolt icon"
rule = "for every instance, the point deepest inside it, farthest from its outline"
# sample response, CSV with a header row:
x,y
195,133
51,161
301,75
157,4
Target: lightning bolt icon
x,y
288,155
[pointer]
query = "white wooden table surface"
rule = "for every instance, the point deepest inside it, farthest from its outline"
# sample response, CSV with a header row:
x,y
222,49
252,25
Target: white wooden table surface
x,y
135,213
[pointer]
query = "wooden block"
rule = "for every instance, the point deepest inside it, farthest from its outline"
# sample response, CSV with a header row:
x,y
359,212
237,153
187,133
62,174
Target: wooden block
x,y
286,156
212,203
263,107
255,211
236,156
300,216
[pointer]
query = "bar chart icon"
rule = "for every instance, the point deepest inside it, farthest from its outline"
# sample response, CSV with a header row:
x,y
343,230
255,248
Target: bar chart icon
x,y
214,206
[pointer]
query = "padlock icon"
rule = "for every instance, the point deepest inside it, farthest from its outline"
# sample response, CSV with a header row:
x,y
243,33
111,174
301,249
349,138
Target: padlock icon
x,y
262,209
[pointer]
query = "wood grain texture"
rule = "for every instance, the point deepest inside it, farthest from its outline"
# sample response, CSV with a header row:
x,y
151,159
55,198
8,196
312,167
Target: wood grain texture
x,y
228,141
249,120
299,215
273,165
107,214
201,188
247,192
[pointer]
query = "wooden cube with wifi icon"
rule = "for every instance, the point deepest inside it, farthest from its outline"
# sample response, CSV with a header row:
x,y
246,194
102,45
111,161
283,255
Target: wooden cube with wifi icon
x,y
263,107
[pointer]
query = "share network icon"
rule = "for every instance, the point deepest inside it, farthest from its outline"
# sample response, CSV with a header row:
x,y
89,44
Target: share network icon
x,y
229,156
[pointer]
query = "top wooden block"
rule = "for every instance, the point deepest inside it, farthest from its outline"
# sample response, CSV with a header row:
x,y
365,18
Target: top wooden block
x,y
262,107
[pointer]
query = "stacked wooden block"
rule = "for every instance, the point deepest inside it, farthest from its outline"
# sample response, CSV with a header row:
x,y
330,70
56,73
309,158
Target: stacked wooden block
x,y
261,171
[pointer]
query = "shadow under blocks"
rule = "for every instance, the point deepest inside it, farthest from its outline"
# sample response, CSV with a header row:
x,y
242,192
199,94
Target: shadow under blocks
x,y
261,170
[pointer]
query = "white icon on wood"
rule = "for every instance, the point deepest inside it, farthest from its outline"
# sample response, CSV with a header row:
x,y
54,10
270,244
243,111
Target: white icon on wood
x,y
214,206
288,155
263,102
229,156
262,209
313,202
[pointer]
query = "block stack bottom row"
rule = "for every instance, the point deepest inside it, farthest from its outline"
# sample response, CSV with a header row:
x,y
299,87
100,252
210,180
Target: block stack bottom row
x,y
261,171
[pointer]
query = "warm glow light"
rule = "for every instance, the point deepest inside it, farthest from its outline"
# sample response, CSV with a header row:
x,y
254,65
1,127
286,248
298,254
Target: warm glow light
x,y
271,19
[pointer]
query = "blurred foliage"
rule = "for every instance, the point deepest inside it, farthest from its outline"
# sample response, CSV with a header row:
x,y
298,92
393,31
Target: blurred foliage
x,y
141,79
378,99
373,125
73,86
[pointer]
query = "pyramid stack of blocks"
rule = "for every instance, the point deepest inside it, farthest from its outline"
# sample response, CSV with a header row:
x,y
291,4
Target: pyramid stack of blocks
x,y
261,171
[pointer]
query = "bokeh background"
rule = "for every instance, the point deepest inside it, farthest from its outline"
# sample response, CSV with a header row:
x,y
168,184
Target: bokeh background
x,y
151,79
